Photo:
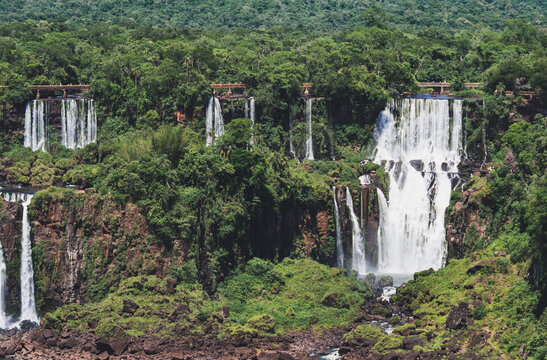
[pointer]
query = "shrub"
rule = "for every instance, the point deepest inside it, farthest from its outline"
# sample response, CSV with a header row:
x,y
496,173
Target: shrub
x,y
263,322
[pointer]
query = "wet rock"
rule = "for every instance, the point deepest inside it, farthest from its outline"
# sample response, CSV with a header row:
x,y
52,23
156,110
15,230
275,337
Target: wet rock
x,y
129,306
27,325
458,316
385,281
410,341
51,342
68,343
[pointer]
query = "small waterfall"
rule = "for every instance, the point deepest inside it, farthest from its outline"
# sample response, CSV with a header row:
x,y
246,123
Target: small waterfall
x,y
209,123
252,106
309,141
214,123
357,239
28,307
78,123
36,122
331,135
338,224
421,151
4,323
291,132
219,121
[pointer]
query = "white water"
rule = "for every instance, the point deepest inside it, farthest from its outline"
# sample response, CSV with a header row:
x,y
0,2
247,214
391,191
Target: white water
x,y
291,132
252,106
411,234
4,322
338,224
209,123
357,239
28,307
36,115
309,141
214,123
78,123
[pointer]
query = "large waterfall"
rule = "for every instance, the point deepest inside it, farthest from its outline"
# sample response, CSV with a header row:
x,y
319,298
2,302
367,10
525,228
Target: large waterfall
x,y
78,123
214,123
28,307
420,148
36,125
338,225
357,238
309,141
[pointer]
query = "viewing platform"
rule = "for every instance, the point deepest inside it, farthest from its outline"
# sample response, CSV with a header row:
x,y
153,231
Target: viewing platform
x,y
53,88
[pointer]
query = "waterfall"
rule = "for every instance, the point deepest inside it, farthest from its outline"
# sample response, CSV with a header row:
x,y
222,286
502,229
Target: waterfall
x,y
420,151
3,277
214,123
338,224
28,308
219,121
291,132
36,122
252,105
78,123
357,239
209,123
309,141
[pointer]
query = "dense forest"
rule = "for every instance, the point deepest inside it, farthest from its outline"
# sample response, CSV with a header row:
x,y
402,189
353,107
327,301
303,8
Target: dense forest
x,y
323,16
149,242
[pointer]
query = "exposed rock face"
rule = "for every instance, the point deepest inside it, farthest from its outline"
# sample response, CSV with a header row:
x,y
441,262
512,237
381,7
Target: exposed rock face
x,y
458,317
86,243
10,236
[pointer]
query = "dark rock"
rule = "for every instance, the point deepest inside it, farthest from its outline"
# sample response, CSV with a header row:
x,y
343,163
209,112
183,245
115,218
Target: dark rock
x,y
48,334
129,306
119,346
458,316
27,325
344,350
385,281
275,356
486,265
51,342
410,341
68,343
171,285
392,356
417,164
225,312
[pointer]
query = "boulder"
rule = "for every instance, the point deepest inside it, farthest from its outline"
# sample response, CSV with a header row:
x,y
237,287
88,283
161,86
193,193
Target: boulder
x,y
129,306
384,281
410,341
458,316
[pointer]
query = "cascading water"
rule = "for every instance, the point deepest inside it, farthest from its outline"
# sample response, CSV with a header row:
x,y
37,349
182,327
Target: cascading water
x,y
28,307
219,121
36,122
309,141
214,123
252,106
78,123
3,317
357,239
420,152
291,132
209,123
338,224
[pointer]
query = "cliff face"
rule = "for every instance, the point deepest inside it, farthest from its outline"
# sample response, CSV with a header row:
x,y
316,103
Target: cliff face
x,y
85,243
10,236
